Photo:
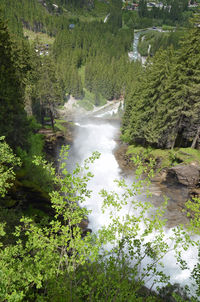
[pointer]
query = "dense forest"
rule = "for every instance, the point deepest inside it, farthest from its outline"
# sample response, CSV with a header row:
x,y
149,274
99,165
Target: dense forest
x,y
162,109
44,253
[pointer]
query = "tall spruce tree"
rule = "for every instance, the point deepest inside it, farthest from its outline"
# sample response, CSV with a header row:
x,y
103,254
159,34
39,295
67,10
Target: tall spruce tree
x,y
48,89
13,69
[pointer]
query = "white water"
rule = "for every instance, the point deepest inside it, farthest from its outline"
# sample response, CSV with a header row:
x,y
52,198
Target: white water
x,y
106,18
90,137
134,55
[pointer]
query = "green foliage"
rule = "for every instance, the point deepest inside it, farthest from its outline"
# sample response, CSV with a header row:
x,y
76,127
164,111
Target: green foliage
x,y
38,37
173,13
165,158
45,252
156,40
14,68
94,50
193,207
48,90
33,15
90,99
61,125
30,175
8,161
53,261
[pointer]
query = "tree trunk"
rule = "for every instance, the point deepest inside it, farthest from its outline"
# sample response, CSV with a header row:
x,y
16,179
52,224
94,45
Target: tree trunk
x,y
195,138
52,118
173,142
42,116
176,132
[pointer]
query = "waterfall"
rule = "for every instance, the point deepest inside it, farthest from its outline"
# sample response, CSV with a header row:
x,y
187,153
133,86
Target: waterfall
x,y
101,136
149,49
106,18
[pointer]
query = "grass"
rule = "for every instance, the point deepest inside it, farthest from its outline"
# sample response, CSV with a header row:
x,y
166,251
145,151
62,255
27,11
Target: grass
x,y
189,155
42,38
167,27
167,158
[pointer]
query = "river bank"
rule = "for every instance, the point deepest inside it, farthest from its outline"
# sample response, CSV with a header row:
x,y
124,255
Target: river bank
x,y
177,182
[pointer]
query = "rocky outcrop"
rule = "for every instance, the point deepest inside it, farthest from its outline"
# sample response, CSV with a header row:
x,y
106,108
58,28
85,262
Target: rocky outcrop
x,y
187,175
179,184
84,226
52,141
124,159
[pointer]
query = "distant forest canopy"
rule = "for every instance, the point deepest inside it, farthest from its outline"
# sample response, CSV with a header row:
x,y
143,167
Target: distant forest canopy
x,y
173,12
50,16
101,51
152,40
42,82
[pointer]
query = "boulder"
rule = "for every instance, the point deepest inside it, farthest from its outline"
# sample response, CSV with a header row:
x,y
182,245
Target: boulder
x,y
85,232
84,224
187,175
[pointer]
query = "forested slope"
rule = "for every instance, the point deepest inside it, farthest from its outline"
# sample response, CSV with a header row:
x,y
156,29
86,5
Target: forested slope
x,y
162,110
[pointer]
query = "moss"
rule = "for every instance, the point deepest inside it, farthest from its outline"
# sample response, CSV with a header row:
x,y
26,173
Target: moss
x,y
166,158
189,155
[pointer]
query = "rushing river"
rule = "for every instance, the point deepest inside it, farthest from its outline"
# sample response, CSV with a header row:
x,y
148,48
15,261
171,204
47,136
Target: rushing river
x,y
101,136
134,54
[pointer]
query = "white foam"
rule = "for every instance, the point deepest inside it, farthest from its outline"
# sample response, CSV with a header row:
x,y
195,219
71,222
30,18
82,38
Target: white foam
x,y
90,138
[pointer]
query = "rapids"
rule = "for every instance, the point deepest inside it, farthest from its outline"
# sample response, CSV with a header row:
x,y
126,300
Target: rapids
x,y
101,136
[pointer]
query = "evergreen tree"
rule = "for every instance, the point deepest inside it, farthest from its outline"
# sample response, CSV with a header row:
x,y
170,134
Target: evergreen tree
x,y
48,89
13,70
142,8
163,109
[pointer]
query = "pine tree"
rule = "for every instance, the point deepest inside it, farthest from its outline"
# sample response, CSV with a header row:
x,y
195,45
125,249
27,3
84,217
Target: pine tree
x,y
14,66
163,110
49,91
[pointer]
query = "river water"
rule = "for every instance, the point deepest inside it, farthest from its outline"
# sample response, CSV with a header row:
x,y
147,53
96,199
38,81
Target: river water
x,y
100,135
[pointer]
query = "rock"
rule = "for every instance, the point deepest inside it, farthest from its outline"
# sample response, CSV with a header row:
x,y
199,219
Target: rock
x,y
85,232
124,159
187,175
84,224
195,193
52,141
160,177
